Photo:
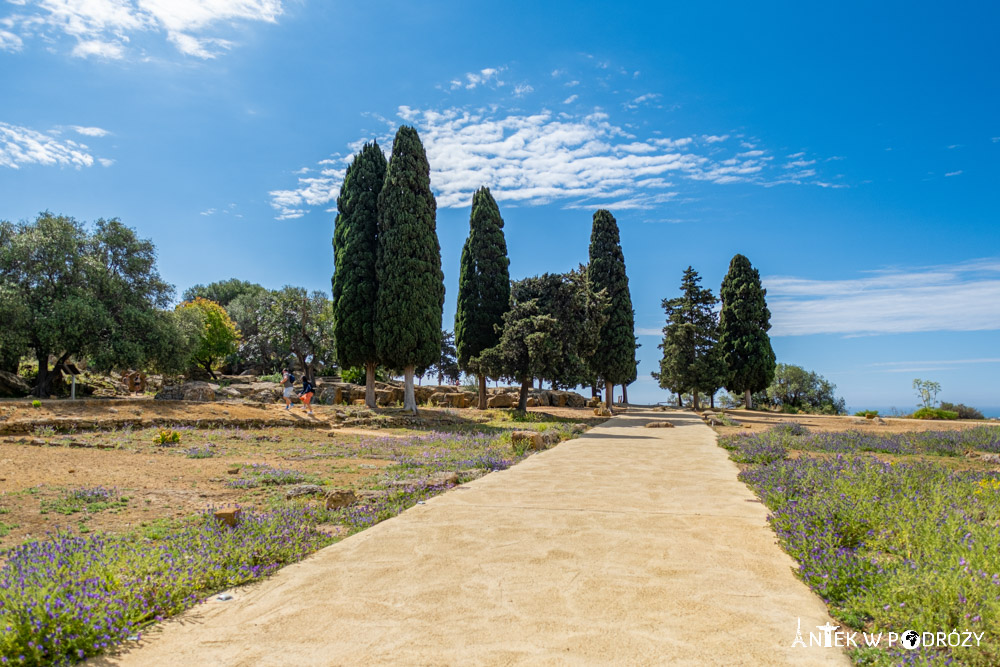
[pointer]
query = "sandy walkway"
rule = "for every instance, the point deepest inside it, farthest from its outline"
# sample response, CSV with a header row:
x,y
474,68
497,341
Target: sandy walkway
x,y
628,545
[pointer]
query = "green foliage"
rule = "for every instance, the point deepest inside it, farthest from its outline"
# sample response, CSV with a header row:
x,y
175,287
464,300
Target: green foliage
x,y
744,321
446,367
484,282
963,411
927,391
934,413
691,358
222,292
614,358
550,331
806,391
408,263
866,413
68,292
355,245
36,403
219,336
356,375
167,436
301,323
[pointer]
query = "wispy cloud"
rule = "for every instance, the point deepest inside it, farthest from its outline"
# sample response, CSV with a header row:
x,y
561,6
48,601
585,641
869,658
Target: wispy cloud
x,y
953,173
962,297
571,99
648,331
25,146
541,157
488,76
523,89
106,28
923,366
90,131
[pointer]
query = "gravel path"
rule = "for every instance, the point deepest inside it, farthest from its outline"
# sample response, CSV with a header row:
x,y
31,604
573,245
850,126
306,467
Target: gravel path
x,y
628,545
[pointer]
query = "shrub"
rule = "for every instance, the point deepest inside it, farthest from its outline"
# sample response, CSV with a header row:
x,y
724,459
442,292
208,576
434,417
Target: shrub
x,y
867,414
934,413
964,411
36,403
167,437
788,428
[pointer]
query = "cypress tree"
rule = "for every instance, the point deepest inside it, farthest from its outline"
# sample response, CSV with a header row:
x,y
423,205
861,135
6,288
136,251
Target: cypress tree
x,y
355,242
483,287
614,360
743,325
410,297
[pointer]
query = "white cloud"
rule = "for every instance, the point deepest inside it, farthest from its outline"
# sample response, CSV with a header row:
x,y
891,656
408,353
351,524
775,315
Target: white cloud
x,y
90,131
485,76
105,162
24,146
105,28
922,366
571,99
537,158
648,331
523,89
963,297
642,100
995,140
953,173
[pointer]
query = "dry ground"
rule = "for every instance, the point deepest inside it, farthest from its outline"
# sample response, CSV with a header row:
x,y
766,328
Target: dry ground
x,y
761,421
46,453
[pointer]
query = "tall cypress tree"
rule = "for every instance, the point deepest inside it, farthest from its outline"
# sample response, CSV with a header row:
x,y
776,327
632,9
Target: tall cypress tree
x,y
355,242
743,325
483,287
410,299
614,360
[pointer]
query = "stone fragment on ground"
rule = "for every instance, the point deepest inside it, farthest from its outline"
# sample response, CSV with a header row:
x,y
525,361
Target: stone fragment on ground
x,y
303,490
533,439
659,424
339,498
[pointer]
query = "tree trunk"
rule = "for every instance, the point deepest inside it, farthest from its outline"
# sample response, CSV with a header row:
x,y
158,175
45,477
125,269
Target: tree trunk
x,y
409,400
711,400
747,405
522,397
680,403
694,401
43,383
593,391
370,384
625,394
482,392
609,387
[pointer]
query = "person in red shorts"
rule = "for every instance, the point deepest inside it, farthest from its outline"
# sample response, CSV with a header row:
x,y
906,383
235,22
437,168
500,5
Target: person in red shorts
x,y
306,395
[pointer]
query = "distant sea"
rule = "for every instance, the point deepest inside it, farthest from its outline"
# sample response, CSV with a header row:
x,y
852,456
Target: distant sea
x,y
887,410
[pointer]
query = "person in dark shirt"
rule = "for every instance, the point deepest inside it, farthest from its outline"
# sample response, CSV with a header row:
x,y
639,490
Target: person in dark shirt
x,y
307,394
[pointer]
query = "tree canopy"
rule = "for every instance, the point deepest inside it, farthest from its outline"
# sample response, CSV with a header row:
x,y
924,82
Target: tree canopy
x,y
219,335
66,291
743,325
222,292
614,359
483,286
550,330
795,387
690,362
410,297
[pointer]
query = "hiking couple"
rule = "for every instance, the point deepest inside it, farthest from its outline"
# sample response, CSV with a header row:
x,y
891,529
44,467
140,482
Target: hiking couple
x,y
305,395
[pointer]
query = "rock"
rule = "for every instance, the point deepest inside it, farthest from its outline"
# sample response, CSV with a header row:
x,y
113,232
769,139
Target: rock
x,y
303,490
230,517
551,437
532,401
594,403
501,401
578,428
358,401
442,479
989,458
659,424
602,411
199,391
558,398
230,392
339,498
575,400
531,439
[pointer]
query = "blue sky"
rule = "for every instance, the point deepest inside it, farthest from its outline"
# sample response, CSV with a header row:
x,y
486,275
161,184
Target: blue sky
x,y
851,151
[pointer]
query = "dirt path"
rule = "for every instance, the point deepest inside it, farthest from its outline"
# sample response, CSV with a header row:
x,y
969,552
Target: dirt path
x,y
628,545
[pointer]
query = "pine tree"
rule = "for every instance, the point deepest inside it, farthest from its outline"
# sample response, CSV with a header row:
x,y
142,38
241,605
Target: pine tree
x,y
743,325
410,297
355,242
614,360
483,286
689,338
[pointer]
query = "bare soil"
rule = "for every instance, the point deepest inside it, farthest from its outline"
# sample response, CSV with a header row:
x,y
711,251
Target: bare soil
x,y
755,421
48,452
